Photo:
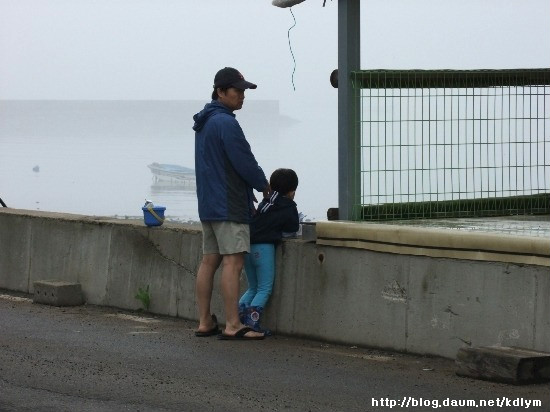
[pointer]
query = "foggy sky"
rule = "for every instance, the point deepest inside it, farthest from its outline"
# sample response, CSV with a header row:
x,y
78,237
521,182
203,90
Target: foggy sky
x,y
171,49
167,49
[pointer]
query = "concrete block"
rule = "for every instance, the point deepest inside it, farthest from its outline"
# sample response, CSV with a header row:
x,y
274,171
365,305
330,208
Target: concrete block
x,y
309,232
57,293
504,364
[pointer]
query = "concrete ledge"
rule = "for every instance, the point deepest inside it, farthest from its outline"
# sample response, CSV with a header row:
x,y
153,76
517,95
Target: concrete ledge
x,y
57,293
504,364
346,295
436,243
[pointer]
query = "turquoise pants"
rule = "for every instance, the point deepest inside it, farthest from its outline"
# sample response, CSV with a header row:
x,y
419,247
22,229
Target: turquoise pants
x,y
259,265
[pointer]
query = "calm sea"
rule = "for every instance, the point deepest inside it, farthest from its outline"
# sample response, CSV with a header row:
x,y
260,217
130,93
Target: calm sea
x,y
91,157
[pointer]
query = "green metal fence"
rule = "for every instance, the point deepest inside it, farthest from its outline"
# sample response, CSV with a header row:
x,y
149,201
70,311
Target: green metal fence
x,y
453,143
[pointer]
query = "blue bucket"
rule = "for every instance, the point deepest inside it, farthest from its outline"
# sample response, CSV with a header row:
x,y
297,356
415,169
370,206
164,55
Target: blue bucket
x,y
153,216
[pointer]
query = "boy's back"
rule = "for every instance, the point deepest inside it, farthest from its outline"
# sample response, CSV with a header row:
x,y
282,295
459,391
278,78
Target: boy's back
x,y
275,215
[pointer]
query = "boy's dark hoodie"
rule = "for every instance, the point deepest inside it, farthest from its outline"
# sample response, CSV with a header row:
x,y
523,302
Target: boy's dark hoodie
x,y
274,216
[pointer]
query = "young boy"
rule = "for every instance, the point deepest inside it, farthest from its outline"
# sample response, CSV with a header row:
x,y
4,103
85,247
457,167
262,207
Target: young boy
x,y
275,215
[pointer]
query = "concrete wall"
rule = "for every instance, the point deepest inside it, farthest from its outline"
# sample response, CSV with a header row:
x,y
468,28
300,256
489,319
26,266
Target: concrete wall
x,y
357,297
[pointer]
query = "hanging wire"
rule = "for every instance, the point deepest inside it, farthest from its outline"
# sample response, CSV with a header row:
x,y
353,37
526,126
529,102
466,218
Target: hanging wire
x,y
290,46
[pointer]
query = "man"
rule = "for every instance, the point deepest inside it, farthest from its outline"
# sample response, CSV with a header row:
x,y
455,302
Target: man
x,y
226,173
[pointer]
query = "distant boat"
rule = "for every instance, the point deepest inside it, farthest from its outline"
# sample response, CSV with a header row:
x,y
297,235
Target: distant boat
x,y
173,174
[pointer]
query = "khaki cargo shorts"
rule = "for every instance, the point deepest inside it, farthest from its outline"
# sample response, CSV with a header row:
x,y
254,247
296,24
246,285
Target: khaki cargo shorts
x,y
225,238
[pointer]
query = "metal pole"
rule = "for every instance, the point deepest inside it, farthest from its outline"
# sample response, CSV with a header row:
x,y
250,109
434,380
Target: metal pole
x,y
348,109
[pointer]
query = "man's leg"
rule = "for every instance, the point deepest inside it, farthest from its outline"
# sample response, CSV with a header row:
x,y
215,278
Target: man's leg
x,y
231,272
203,289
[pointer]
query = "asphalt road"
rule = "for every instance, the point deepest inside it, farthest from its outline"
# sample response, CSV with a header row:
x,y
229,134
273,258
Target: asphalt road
x,y
91,358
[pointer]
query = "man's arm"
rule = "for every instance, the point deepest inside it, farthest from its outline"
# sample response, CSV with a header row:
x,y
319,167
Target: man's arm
x,y
241,157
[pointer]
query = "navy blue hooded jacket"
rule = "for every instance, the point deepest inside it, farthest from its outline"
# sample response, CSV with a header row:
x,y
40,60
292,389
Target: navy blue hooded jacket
x,y
225,168
275,215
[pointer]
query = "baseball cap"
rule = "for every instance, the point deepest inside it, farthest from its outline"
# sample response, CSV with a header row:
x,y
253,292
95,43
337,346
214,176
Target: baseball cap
x,y
230,77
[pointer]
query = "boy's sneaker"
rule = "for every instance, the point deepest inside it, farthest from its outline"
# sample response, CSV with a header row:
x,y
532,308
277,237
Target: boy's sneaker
x,y
253,315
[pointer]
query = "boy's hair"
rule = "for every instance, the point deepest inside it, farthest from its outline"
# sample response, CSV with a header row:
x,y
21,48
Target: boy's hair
x,y
283,181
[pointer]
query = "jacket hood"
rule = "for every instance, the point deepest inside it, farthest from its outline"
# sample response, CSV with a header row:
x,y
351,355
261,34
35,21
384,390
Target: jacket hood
x,y
210,109
275,201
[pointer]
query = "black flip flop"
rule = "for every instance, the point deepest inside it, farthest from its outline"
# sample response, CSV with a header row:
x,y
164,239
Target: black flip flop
x,y
241,335
214,331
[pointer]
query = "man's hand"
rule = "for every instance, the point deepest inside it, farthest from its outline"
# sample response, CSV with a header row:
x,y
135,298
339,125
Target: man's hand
x,y
267,191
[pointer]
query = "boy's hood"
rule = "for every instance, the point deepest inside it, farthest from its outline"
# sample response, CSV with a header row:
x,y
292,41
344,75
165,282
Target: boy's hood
x,y
274,202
